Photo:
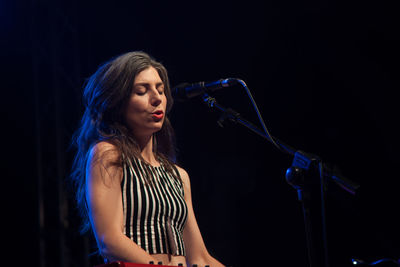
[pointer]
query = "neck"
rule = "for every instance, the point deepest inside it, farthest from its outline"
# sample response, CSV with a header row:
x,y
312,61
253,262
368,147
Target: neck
x,y
146,149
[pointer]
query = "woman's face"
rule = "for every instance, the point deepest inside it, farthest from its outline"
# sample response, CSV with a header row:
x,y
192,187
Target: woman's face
x,y
145,111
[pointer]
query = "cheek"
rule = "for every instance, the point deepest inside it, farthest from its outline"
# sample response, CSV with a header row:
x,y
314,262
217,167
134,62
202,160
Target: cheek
x,y
134,110
137,105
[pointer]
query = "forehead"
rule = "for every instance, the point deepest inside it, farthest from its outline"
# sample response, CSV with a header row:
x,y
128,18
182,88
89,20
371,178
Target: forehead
x,y
149,75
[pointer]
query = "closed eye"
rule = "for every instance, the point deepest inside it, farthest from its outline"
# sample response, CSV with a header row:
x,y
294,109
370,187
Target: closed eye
x,y
140,90
160,89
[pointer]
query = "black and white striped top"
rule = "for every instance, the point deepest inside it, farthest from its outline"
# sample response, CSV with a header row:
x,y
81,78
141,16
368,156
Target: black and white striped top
x,y
154,213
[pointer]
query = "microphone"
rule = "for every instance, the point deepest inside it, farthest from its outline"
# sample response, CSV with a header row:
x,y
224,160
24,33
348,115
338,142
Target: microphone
x,y
184,91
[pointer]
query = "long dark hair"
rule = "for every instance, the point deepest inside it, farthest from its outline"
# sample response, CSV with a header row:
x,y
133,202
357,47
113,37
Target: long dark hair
x,y
105,97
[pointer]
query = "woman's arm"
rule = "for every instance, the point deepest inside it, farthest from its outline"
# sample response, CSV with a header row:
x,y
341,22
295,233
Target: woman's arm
x,y
196,250
103,194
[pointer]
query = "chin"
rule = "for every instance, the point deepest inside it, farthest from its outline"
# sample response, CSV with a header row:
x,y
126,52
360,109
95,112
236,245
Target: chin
x,y
157,128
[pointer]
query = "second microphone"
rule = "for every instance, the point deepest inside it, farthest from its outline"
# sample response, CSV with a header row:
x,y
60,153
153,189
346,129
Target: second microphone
x,y
185,91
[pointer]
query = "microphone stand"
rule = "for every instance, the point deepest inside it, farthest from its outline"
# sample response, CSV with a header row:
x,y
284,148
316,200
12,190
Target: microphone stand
x,y
304,167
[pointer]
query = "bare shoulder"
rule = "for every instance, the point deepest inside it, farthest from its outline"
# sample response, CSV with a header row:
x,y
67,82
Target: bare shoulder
x,y
104,164
103,152
184,175
102,147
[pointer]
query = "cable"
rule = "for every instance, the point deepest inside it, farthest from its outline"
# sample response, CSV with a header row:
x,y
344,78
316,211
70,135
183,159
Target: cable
x,y
259,115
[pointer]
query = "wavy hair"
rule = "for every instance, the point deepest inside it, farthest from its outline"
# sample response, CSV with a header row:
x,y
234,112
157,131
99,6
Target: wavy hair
x,y
105,97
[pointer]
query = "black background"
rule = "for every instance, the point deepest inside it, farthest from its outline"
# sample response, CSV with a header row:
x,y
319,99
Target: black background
x,y
323,73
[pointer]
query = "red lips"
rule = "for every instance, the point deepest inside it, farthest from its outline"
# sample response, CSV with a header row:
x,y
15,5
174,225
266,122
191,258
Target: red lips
x,y
157,115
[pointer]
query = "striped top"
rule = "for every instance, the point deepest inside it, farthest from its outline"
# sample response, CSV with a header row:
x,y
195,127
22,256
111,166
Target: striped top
x,y
154,213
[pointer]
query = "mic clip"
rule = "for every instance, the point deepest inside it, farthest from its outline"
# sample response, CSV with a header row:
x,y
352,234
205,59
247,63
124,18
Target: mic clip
x,y
227,113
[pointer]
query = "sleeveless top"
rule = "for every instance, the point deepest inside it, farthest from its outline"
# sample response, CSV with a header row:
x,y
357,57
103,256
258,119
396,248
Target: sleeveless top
x,y
155,212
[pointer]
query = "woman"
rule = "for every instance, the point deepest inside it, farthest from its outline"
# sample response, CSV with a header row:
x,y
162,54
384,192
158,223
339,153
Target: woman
x,y
130,193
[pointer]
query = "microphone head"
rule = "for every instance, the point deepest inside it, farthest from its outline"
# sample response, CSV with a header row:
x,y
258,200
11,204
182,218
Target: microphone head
x,y
184,91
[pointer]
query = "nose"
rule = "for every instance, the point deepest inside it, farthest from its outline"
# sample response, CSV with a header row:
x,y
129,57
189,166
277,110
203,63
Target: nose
x,y
155,98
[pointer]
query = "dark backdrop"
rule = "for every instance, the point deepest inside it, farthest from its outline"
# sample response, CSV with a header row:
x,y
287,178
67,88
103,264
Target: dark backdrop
x,y
324,74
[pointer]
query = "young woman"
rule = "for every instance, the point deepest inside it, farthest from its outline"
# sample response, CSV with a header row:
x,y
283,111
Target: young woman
x,y
132,196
